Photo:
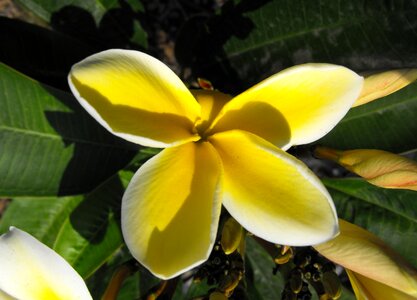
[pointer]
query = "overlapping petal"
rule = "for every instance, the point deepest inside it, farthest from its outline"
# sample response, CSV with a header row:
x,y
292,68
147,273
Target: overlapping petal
x,y
271,193
31,270
366,255
171,208
136,97
211,103
368,289
296,106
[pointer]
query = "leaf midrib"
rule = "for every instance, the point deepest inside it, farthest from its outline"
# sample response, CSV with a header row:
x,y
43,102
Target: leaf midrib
x,y
372,203
302,32
57,137
388,106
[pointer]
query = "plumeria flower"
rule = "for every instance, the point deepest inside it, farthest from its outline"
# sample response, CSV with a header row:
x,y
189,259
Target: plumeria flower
x,y
375,270
218,150
31,270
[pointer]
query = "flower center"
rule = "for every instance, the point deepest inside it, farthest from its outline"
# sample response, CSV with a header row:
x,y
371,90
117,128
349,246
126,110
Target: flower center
x,y
200,127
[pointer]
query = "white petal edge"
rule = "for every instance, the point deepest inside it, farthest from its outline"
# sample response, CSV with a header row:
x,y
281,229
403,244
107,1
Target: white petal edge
x,y
29,266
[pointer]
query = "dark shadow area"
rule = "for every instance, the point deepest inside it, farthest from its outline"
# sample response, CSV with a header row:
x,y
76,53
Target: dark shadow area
x,y
201,40
40,53
115,29
47,55
96,154
251,40
91,217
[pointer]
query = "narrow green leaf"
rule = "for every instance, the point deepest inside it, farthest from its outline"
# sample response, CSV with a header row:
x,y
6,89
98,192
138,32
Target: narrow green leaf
x,y
390,214
386,124
49,144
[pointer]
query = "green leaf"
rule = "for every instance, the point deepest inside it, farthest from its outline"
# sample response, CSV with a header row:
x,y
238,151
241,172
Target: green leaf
x,y
386,124
97,218
390,214
262,283
248,41
83,230
49,145
347,294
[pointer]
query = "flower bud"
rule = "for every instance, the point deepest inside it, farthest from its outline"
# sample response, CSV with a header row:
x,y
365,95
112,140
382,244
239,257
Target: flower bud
x,y
378,167
331,284
379,85
231,236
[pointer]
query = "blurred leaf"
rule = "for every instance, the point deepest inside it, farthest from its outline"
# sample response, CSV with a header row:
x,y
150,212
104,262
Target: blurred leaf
x,y
386,124
86,232
195,290
262,284
347,294
390,214
133,287
40,53
49,145
248,41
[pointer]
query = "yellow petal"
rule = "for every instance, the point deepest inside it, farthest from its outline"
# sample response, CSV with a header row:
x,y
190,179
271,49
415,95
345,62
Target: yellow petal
x,y
211,103
271,193
368,289
296,106
382,84
364,253
170,210
31,270
379,167
136,97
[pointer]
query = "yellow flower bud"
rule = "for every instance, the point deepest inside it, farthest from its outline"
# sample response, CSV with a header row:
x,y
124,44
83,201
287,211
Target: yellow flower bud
x,y
332,285
378,167
231,236
217,296
382,84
